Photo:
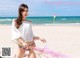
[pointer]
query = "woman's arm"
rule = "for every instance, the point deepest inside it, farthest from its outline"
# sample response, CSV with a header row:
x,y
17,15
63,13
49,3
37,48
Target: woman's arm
x,y
38,38
23,42
20,40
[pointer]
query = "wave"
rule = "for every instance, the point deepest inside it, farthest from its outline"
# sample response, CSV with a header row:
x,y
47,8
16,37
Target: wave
x,y
6,19
65,24
63,19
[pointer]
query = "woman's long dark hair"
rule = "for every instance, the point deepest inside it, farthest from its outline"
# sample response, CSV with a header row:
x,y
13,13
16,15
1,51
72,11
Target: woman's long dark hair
x,y
20,10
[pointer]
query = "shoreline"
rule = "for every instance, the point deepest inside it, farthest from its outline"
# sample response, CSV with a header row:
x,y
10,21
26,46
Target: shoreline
x,y
54,24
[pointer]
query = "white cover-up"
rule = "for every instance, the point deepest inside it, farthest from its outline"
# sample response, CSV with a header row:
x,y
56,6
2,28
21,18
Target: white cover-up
x,y
24,31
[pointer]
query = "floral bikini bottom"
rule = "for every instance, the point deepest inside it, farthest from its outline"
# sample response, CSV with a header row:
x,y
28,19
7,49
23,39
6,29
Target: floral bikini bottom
x,y
30,44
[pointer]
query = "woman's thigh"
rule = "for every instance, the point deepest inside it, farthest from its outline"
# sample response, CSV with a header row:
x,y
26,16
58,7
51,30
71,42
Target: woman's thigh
x,y
32,54
20,52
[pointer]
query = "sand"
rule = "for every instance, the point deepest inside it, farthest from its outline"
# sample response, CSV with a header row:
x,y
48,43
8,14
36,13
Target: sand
x,y
62,38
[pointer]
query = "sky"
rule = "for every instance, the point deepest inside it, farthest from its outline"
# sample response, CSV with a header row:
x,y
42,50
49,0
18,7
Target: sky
x,y
9,8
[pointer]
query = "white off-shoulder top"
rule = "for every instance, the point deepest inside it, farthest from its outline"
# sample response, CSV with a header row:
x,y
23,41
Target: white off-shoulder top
x,y
24,31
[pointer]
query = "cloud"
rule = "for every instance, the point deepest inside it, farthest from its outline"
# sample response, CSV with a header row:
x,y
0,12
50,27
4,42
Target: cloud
x,y
39,7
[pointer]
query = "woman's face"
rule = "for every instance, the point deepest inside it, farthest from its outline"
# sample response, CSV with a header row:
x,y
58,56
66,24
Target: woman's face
x,y
25,12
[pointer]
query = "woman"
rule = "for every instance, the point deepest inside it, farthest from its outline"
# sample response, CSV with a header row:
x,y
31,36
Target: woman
x,y
22,33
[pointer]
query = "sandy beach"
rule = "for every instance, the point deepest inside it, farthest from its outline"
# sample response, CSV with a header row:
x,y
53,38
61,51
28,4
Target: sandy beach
x,y
62,38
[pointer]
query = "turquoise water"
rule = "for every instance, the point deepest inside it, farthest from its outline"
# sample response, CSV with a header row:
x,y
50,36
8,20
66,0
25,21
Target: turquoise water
x,y
46,20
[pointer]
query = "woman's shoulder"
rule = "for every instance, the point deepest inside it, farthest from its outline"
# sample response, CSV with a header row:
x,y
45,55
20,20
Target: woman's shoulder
x,y
13,20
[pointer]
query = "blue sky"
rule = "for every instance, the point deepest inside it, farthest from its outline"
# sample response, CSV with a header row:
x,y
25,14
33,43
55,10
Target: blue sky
x,y
41,7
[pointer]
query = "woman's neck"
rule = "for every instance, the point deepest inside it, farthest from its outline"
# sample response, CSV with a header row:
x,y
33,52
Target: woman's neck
x,y
24,19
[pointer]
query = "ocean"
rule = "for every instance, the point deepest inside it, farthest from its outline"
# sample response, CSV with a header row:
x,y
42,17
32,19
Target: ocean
x,y
45,20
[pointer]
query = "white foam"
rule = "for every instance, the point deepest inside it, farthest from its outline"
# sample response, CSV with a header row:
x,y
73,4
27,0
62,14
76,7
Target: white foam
x,y
64,19
6,19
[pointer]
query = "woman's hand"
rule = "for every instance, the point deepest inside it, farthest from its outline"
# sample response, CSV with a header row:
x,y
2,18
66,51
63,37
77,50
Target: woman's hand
x,y
25,45
38,38
43,40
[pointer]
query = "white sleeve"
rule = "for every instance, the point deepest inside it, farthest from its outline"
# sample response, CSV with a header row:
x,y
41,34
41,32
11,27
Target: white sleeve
x,y
15,32
32,31
32,34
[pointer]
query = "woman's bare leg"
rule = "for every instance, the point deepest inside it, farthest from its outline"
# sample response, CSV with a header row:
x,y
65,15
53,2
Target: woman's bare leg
x,y
20,53
32,54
